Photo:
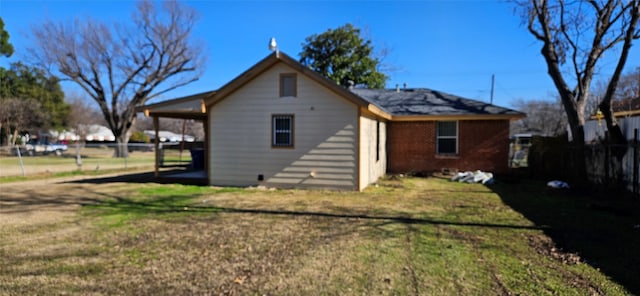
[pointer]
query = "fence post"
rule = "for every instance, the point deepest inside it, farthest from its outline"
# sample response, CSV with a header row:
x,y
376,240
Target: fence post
x,y
607,156
635,162
20,160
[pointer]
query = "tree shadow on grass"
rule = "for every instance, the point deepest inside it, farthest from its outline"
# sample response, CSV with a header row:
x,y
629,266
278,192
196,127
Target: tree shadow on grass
x,y
144,177
180,204
603,231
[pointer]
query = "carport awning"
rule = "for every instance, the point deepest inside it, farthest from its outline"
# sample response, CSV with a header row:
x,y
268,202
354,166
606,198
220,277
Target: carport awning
x,y
189,107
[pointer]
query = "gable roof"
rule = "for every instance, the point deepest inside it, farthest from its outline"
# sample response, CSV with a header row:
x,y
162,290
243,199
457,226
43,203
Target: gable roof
x,y
402,105
279,57
423,104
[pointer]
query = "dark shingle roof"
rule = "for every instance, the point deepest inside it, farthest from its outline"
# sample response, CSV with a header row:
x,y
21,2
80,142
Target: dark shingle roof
x,y
422,101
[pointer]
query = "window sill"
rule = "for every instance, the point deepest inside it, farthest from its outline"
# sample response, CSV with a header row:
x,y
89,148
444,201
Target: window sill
x,y
447,156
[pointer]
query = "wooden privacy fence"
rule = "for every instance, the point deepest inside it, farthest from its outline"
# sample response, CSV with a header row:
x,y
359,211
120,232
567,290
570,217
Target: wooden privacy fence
x,y
606,169
550,158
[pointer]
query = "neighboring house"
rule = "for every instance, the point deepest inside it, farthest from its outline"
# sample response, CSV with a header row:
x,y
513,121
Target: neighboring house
x,y
281,124
627,114
167,136
96,132
626,108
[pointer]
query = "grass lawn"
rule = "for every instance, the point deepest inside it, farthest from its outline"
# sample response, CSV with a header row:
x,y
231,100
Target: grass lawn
x,y
409,236
94,161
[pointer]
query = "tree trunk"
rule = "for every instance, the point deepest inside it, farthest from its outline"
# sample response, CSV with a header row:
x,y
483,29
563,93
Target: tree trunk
x,y
616,137
15,137
577,158
122,132
577,168
122,142
8,136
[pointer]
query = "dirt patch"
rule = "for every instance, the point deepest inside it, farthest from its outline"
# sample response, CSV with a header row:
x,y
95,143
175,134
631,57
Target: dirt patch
x,y
545,246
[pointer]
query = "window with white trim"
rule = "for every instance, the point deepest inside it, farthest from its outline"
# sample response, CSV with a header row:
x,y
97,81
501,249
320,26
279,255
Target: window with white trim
x,y
447,137
282,130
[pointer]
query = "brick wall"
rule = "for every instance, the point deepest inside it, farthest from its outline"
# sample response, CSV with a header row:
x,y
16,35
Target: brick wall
x,y
482,145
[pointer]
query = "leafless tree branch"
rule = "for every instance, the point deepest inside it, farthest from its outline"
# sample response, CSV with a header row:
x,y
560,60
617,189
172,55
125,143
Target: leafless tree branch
x,y
123,66
584,31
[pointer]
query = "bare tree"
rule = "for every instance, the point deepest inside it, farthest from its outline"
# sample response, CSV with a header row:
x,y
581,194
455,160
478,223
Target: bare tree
x,y
626,96
629,86
145,123
543,117
82,115
18,115
123,66
575,36
179,126
188,126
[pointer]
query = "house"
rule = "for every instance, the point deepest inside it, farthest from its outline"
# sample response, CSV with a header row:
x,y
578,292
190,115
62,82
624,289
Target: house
x,y
629,107
431,131
167,136
281,124
627,115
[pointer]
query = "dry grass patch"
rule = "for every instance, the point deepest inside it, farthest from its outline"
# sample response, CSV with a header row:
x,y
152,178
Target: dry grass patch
x,y
403,237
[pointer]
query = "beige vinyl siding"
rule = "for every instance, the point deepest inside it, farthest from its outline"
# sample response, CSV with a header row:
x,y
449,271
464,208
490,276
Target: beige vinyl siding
x,y
325,136
371,168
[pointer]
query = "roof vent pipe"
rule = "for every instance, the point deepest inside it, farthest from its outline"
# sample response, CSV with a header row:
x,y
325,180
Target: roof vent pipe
x,y
351,84
397,87
273,46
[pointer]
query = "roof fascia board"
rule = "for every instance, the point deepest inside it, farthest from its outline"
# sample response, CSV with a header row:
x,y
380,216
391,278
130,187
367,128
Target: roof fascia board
x,y
456,117
620,114
200,96
242,79
178,114
378,112
324,81
626,113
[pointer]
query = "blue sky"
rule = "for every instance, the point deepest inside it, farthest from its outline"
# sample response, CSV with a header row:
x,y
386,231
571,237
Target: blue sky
x,y
451,46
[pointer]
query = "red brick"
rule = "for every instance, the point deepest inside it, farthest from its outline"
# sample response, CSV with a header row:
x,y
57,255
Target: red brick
x,y
482,145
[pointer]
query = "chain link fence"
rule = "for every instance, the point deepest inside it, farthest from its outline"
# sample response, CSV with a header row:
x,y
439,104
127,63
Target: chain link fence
x,y
33,160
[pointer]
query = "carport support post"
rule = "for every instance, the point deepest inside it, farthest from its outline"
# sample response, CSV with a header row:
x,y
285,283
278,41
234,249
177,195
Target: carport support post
x,y
156,148
607,156
635,161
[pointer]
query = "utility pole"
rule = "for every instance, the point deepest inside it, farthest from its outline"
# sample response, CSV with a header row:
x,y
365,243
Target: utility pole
x,y
493,80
